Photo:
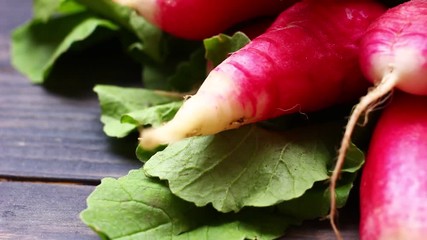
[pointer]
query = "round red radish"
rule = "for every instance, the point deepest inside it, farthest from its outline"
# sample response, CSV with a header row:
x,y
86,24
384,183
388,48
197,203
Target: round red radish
x,y
393,191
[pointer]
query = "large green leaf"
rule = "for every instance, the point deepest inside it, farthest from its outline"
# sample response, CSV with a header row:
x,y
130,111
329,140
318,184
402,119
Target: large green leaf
x,y
247,167
178,64
183,70
58,25
37,45
149,39
118,101
315,202
44,9
153,116
189,74
250,223
137,207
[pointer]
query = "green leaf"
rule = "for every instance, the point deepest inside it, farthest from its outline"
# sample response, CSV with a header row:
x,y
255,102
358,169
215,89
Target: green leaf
x,y
143,154
43,10
153,116
315,202
169,63
149,38
249,166
219,47
353,161
250,223
344,186
189,74
37,45
183,70
118,101
137,207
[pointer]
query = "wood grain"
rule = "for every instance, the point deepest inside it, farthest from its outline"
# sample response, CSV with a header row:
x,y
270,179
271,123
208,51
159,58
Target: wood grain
x,y
50,211
54,131
47,135
32,211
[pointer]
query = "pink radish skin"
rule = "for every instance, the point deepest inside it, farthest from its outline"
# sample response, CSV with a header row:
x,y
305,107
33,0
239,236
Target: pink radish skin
x,y
395,46
306,61
199,19
393,191
393,55
251,30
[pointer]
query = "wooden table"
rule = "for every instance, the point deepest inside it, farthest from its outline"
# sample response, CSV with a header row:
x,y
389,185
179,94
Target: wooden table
x,y
53,152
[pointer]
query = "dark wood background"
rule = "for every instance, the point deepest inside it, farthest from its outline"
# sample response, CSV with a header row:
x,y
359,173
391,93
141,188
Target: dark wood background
x,y
53,151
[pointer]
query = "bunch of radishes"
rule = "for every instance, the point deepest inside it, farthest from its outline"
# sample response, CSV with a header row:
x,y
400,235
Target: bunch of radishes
x,y
317,54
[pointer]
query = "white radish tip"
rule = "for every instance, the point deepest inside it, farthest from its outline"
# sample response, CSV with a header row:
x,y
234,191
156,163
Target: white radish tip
x,y
214,108
153,137
200,115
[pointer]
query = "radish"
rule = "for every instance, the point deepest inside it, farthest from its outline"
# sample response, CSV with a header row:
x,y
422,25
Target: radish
x,y
393,191
393,55
306,61
199,19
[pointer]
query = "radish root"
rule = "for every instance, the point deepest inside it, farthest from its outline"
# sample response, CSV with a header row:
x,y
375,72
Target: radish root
x,y
367,104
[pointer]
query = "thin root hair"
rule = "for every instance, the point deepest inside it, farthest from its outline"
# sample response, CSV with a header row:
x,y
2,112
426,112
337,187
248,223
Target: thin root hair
x,y
294,107
375,97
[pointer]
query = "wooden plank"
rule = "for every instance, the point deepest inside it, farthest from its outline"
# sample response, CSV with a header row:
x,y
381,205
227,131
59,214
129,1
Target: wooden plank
x,y
50,211
48,135
43,211
13,13
54,131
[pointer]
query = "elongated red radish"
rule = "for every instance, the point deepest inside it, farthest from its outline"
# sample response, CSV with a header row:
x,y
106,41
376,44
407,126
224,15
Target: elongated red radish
x,y
393,55
199,19
307,60
393,190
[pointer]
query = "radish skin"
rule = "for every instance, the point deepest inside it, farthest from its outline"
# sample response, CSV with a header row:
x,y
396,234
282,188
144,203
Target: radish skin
x,y
393,55
395,46
199,19
306,61
251,29
393,191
